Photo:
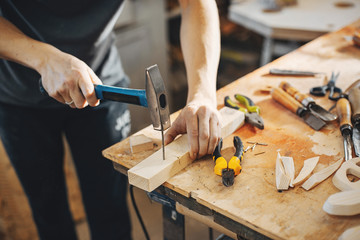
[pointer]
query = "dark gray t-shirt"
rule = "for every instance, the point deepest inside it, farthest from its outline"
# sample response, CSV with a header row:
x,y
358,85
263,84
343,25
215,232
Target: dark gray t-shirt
x,y
82,28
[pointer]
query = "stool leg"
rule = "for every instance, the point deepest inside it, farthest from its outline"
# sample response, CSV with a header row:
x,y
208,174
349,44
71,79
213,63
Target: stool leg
x,y
267,50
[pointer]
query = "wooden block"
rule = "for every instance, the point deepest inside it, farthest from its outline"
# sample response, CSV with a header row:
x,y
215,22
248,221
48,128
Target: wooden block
x,y
307,169
343,203
351,234
282,180
321,175
154,171
139,143
340,178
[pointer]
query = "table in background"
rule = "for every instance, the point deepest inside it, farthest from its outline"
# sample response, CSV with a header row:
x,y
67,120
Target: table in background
x,y
305,21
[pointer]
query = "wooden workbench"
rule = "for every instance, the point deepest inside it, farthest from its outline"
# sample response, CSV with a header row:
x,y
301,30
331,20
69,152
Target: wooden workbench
x,y
253,203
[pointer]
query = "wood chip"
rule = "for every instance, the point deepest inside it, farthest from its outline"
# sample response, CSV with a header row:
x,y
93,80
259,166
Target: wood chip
x,y
282,180
321,175
306,170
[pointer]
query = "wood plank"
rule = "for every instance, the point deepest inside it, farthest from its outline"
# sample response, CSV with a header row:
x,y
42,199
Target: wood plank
x,y
154,171
343,203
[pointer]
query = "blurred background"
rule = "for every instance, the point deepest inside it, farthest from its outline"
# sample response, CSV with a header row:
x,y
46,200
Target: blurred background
x,y
253,32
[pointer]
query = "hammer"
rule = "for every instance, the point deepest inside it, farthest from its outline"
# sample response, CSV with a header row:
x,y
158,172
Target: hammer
x,y
153,97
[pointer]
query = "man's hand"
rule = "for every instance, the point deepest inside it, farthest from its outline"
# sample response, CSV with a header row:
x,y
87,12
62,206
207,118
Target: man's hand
x,y
64,77
69,80
201,123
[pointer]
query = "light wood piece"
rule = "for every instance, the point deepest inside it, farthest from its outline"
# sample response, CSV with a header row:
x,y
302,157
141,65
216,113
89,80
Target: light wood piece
x,y
320,176
282,180
340,178
343,203
306,170
154,171
139,143
288,163
351,234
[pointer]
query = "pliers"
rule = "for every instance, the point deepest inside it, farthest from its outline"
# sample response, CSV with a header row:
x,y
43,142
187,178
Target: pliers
x,y
251,111
228,169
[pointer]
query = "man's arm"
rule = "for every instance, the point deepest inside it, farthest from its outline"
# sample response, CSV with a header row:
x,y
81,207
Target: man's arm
x,y
64,77
200,42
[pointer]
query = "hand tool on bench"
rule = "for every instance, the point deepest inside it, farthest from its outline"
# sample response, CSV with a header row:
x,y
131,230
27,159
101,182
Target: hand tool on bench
x,y
228,169
308,102
354,99
251,111
285,72
335,93
153,97
290,103
344,112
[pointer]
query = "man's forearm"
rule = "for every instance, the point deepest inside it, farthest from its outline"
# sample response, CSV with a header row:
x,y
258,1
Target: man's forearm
x,y
17,47
200,41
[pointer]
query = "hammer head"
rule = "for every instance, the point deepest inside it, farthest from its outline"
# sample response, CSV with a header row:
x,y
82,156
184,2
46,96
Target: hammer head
x,y
157,99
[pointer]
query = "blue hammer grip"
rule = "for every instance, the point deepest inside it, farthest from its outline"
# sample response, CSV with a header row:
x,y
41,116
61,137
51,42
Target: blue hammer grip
x,y
125,95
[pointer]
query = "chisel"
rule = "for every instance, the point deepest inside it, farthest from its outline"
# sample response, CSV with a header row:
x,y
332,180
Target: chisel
x,y
290,103
344,112
308,102
354,99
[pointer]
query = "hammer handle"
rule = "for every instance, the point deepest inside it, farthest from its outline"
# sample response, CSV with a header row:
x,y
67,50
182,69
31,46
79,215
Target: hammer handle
x,y
125,95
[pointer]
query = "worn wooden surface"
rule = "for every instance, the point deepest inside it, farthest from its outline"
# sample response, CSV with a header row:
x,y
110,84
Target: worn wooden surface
x,y
253,199
154,170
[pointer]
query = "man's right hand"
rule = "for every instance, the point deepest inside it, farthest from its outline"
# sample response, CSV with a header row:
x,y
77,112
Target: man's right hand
x,y
69,80
65,78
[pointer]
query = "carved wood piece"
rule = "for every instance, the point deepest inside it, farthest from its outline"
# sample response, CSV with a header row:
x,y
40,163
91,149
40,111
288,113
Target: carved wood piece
x,y
320,176
306,170
340,179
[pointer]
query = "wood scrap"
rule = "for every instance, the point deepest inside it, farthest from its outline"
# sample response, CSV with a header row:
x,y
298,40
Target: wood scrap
x,y
340,178
154,171
320,176
288,163
343,203
282,180
351,234
306,170
139,143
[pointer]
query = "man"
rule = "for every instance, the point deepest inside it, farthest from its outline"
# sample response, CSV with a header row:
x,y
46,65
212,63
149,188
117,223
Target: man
x,y
69,46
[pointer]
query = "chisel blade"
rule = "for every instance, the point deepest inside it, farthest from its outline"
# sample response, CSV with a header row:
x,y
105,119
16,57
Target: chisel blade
x,y
356,141
347,147
311,120
321,113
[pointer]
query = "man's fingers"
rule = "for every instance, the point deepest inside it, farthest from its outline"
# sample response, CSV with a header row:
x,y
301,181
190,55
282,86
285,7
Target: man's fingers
x,y
193,134
204,130
170,135
214,134
89,90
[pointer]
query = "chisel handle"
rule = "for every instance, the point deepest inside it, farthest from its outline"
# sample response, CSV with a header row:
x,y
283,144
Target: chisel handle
x,y
286,100
354,98
300,97
344,112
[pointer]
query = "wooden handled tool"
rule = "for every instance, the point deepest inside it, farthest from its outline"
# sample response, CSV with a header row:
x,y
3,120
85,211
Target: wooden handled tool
x,y
286,100
354,98
290,103
308,102
344,112
294,92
